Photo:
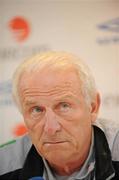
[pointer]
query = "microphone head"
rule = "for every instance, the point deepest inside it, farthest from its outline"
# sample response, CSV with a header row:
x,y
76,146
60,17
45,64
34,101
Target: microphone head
x,y
36,178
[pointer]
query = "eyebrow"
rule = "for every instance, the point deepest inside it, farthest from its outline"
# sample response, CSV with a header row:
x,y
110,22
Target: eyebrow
x,y
68,97
29,102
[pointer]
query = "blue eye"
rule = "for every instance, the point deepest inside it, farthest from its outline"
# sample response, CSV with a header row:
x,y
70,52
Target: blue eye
x,y
64,106
37,109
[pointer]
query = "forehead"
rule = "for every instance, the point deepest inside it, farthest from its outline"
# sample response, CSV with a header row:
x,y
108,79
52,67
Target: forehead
x,y
48,80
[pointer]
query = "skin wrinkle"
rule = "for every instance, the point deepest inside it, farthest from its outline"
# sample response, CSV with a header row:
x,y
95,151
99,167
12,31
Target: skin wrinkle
x,y
56,90
51,91
37,93
67,85
59,97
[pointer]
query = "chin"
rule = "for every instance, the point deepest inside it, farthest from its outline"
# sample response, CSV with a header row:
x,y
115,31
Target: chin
x,y
57,158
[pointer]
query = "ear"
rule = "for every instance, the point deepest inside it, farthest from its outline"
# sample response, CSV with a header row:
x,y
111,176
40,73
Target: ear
x,y
95,107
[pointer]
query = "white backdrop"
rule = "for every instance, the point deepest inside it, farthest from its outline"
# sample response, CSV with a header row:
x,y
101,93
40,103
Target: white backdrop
x,y
89,29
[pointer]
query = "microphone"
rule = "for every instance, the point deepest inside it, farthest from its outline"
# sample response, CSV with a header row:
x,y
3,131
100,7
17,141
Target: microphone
x,y
36,178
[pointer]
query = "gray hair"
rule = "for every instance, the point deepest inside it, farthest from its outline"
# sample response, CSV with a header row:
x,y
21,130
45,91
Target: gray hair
x,y
62,60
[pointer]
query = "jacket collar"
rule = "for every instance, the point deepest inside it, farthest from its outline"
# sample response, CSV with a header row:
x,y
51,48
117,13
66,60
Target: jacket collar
x,y
104,167
34,166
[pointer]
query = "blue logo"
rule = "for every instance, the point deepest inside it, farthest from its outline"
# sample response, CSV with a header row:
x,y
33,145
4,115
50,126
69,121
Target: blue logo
x,y
6,93
5,87
111,25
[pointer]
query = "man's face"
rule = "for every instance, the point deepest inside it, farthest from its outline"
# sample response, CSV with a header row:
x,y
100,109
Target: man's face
x,y
56,115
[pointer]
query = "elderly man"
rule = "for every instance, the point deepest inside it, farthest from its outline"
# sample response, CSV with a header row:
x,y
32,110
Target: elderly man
x,y
57,96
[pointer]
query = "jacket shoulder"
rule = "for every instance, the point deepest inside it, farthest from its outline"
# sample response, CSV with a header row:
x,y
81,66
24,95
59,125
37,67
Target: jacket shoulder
x,y
115,148
13,154
110,128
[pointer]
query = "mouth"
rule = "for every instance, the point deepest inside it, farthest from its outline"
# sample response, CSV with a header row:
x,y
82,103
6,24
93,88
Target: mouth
x,y
54,142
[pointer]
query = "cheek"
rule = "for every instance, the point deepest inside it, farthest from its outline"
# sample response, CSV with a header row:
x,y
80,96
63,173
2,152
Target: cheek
x,y
36,133
30,122
78,129
35,127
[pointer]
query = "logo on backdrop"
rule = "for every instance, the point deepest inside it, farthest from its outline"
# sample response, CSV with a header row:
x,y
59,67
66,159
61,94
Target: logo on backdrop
x,y
110,32
5,93
20,28
111,25
19,129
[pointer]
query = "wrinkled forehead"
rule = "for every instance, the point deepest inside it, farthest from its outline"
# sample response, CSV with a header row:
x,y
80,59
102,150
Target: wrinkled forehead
x,y
48,79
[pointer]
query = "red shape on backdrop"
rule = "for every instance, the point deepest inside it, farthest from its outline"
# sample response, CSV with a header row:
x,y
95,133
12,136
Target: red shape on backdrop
x,y
20,28
19,130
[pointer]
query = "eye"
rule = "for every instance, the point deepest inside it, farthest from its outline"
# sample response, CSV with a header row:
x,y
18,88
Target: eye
x,y
63,106
36,110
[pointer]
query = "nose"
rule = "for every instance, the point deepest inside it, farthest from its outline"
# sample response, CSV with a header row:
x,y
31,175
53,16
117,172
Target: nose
x,y
51,123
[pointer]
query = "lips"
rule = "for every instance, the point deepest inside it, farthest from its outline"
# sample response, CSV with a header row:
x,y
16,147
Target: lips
x,y
54,142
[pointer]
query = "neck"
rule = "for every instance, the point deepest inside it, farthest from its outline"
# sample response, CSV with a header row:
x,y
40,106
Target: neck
x,y
70,167
65,170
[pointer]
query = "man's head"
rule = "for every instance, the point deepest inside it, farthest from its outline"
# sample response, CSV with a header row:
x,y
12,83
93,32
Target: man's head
x,y
57,60
57,96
